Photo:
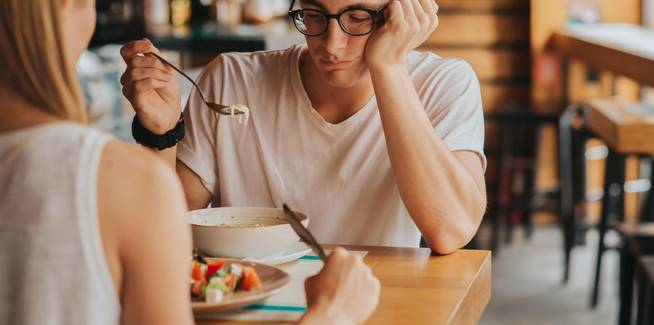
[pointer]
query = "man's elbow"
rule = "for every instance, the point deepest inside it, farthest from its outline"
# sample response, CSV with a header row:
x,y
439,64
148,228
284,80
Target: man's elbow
x,y
448,239
448,243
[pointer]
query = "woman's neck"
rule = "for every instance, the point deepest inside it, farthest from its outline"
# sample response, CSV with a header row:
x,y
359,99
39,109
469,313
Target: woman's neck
x,y
18,113
334,104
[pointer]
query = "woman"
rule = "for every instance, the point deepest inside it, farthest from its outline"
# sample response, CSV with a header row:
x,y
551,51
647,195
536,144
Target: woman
x,y
378,143
83,215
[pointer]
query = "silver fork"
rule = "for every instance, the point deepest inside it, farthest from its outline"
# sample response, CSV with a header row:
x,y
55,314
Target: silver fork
x,y
218,108
304,233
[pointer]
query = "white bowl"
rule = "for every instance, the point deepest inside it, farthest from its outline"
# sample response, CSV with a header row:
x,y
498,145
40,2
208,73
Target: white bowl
x,y
241,232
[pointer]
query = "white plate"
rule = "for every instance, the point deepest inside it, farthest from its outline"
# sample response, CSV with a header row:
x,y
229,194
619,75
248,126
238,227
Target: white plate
x,y
292,253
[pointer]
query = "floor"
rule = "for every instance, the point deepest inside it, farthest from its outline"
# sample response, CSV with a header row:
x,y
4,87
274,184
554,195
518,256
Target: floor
x,y
527,285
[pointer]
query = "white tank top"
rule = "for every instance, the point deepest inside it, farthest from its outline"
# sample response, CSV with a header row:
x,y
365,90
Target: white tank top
x,y
52,264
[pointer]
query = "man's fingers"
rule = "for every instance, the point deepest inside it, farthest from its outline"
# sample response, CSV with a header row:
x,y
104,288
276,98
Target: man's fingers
x,y
429,6
144,85
148,61
409,10
132,49
431,9
136,74
127,92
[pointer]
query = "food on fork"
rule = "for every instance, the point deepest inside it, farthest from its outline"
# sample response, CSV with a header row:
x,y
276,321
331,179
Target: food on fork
x,y
243,118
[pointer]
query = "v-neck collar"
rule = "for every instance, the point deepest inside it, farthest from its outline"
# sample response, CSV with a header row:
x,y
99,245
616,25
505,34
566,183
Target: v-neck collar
x,y
308,107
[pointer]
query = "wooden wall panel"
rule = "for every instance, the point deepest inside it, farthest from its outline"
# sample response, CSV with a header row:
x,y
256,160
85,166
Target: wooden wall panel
x,y
483,4
498,96
493,37
492,136
479,29
492,64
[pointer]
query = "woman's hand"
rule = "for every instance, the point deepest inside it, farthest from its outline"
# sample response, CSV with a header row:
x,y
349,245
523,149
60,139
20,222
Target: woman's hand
x,y
150,87
408,23
344,292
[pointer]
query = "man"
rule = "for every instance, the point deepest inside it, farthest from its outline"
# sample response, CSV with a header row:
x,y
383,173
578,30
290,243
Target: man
x,y
377,143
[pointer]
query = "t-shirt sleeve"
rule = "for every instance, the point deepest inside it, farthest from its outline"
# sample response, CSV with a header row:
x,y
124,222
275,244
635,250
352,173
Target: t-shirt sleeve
x,y
452,99
197,150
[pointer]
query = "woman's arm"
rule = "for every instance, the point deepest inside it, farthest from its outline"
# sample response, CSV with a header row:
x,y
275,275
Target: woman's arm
x,y
147,246
147,242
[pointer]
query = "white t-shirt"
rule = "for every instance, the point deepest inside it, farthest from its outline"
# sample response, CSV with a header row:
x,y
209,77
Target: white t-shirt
x,y
338,174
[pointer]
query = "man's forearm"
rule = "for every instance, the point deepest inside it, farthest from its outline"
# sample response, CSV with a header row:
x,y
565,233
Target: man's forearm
x,y
441,196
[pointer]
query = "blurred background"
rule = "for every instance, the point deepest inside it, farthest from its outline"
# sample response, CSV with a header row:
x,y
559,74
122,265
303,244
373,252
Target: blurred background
x,y
569,127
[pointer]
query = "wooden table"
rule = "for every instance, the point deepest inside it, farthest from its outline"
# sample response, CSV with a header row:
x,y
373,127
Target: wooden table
x,y
623,49
627,128
418,288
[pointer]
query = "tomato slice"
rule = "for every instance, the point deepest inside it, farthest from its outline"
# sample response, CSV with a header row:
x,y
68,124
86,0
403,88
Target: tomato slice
x,y
196,272
196,289
213,266
250,279
229,281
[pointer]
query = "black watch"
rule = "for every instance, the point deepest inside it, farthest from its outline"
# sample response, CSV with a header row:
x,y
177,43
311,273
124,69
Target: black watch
x,y
169,139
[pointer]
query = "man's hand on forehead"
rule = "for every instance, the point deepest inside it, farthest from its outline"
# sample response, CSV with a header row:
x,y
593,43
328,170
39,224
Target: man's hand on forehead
x,y
338,6
407,24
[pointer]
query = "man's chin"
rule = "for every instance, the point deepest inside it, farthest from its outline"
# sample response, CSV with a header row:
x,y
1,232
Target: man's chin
x,y
341,79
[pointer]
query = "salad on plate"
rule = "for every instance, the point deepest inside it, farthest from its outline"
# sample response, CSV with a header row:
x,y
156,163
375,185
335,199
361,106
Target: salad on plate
x,y
212,280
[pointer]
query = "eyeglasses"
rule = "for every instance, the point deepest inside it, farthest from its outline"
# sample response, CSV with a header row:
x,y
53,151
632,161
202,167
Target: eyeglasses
x,y
353,21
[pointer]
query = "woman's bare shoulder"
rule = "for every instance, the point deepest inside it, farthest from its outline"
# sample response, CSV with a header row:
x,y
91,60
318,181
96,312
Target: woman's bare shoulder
x,y
137,190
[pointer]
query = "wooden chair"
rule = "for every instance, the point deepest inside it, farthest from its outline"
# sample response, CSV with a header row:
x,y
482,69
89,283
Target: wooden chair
x,y
512,193
645,281
638,240
627,130
572,140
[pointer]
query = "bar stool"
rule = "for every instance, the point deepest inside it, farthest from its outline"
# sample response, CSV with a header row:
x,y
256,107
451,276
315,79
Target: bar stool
x,y
645,280
572,139
638,240
625,129
513,190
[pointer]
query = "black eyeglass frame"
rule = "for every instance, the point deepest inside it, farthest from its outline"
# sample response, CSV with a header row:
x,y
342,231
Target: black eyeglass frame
x,y
373,13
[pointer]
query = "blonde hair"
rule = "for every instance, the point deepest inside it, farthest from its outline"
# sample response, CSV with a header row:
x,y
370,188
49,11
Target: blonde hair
x,y
33,60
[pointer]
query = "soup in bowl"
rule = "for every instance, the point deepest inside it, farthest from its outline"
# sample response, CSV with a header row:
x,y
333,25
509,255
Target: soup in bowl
x,y
242,232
